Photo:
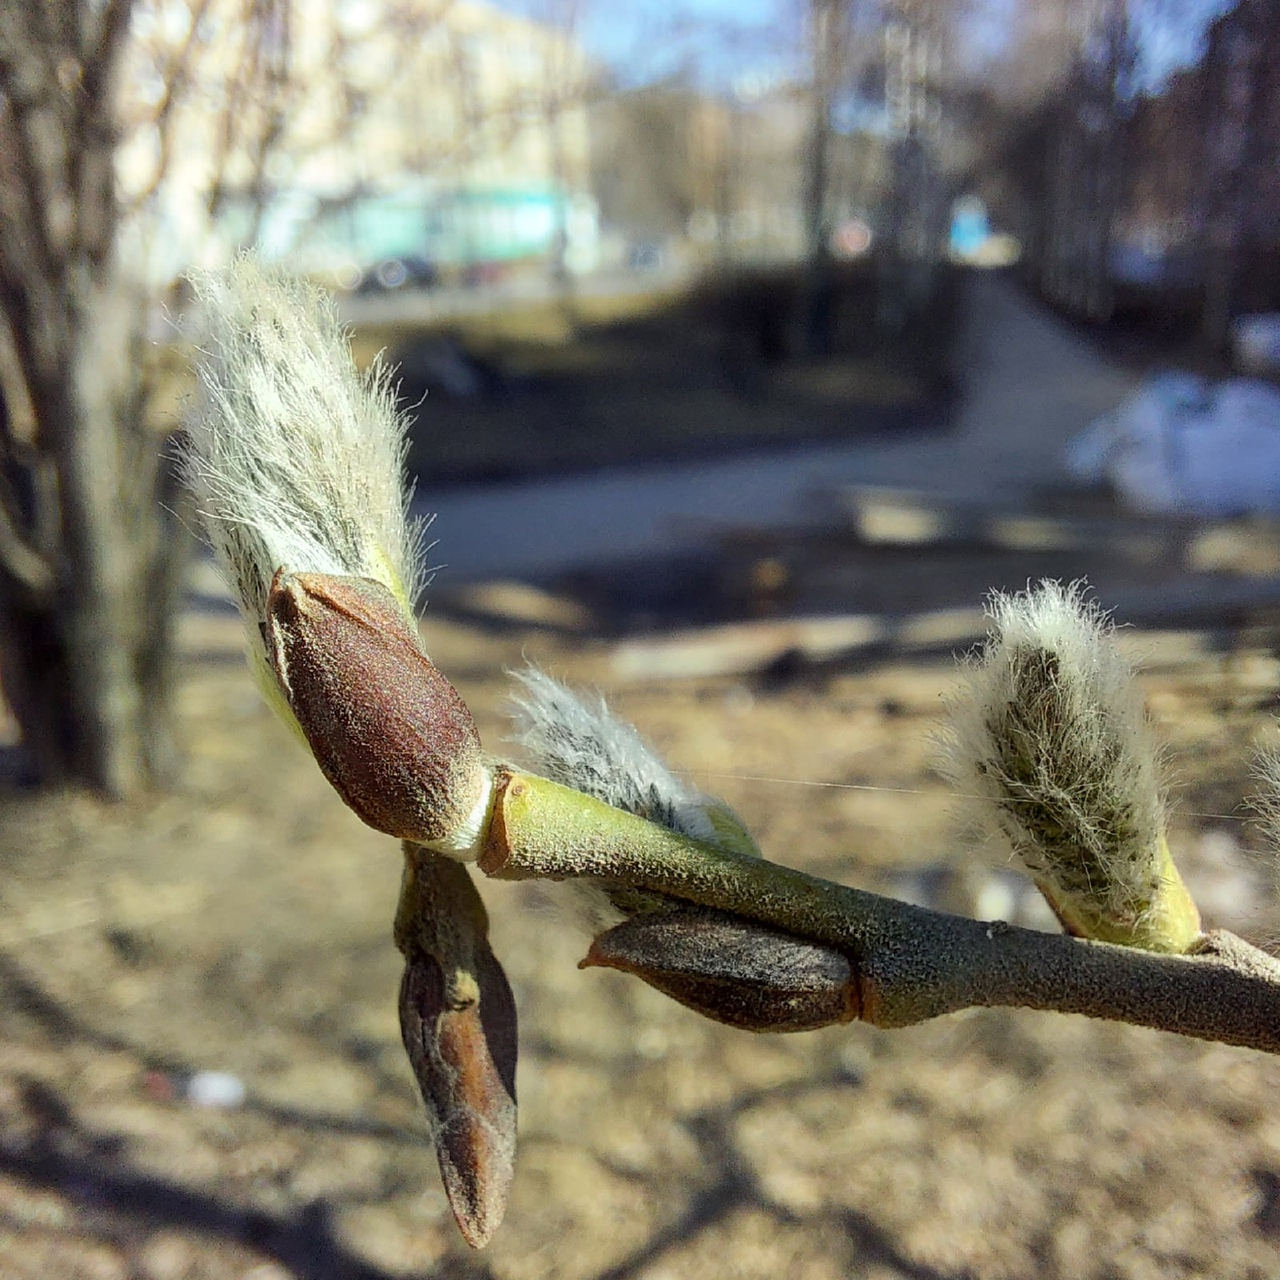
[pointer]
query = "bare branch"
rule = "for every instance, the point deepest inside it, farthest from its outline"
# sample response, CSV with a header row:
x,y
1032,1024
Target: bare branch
x,y
909,964
20,555
93,134
177,76
32,136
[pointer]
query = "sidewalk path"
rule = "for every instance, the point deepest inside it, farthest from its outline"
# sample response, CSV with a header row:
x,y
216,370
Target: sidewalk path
x,y
1031,383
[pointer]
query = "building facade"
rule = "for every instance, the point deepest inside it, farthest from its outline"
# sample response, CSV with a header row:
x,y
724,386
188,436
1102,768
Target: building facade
x,y
338,132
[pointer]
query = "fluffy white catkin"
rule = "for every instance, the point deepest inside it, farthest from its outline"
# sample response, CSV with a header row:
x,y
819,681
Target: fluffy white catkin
x,y
1051,739
585,746
1266,802
580,743
296,459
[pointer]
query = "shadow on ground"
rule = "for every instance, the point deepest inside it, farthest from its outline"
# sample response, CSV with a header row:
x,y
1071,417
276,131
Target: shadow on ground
x,y
727,366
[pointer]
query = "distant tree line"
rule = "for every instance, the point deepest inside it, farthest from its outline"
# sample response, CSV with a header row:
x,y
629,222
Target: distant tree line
x,y
1094,165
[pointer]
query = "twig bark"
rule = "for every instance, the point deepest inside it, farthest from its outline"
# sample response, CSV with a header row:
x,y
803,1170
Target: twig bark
x,y
909,963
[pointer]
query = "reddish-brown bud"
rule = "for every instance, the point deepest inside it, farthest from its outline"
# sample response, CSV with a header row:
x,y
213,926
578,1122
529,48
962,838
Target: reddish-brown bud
x,y
391,734
732,971
464,1059
458,1022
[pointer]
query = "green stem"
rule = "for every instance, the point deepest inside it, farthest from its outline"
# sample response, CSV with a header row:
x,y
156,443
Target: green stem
x,y
910,963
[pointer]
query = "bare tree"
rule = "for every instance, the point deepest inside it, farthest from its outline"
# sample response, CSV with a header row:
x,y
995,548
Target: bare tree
x,y
1239,110
1090,166
89,543
134,136
83,576
564,88
828,30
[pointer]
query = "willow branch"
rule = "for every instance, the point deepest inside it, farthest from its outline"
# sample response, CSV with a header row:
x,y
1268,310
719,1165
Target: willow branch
x,y
909,964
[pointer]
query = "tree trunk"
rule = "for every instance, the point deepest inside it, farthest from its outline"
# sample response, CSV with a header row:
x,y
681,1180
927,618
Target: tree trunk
x,y
88,576
86,661
819,310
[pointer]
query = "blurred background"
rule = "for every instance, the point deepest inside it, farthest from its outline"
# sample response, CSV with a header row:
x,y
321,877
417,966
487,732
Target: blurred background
x,y
746,346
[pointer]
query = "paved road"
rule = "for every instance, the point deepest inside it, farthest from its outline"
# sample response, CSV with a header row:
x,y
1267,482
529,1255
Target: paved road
x,y
1032,383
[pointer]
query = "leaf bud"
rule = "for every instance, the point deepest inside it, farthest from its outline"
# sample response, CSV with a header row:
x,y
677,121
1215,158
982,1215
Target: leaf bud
x,y
732,971
388,730
462,1050
458,1023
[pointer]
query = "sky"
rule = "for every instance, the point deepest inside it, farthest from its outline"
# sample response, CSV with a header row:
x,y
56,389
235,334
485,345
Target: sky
x,y
1170,45
718,43
714,41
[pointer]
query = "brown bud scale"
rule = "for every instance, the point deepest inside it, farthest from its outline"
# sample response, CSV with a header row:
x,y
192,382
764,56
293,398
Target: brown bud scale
x,y
458,1023
389,731
732,971
464,1061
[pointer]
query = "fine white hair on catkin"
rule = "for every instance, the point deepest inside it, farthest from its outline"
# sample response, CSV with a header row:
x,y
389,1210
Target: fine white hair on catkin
x,y
1266,802
1051,738
578,742
583,745
296,459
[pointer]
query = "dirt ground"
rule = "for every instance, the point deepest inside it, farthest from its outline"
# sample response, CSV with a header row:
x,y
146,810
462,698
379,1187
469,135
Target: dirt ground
x,y
242,925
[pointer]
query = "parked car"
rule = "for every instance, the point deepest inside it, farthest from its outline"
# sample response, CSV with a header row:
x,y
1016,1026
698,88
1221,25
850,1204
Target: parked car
x,y
391,274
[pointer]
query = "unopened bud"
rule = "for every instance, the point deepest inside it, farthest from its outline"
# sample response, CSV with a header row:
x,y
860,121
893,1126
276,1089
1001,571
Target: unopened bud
x,y
391,734
462,1050
1052,742
732,971
458,1022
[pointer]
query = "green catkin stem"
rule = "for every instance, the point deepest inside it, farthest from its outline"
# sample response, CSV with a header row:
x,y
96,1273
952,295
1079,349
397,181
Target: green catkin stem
x,y
910,963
